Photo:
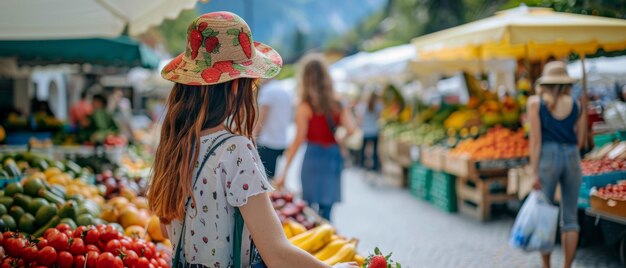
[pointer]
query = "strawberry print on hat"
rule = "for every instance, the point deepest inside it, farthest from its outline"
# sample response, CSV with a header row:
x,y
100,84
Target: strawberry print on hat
x,y
220,48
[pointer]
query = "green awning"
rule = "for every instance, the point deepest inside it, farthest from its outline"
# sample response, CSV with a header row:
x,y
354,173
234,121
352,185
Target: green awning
x,y
122,51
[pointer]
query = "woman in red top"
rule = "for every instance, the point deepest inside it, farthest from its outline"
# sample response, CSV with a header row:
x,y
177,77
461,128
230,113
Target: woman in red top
x,y
317,115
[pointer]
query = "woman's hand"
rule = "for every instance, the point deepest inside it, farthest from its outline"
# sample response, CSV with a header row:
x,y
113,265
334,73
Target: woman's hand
x,y
536,183
279,182
346,265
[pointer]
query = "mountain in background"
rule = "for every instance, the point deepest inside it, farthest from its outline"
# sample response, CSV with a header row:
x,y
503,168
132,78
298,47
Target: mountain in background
x,y
296,26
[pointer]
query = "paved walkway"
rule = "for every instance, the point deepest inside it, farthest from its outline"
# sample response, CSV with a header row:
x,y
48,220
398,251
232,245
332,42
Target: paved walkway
x,y
419,235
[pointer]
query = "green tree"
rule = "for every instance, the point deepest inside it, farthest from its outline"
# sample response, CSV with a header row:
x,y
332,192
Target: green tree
x,y
174,32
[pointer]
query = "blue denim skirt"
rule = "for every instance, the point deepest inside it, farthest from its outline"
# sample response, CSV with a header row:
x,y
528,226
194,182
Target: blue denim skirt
x,y
321,174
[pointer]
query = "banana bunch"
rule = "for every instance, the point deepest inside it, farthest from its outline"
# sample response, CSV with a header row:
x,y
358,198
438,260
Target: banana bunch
x,y
327,247
293,228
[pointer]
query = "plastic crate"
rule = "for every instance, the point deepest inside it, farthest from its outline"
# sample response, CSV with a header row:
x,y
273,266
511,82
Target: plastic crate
x,y
603,139
5,181
443,191
596,181
420,179
22,138
621,135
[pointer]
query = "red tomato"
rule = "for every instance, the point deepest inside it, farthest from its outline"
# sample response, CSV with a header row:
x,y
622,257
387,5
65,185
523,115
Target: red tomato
x,y
92,248
92,236
154,262
29,253
92,259
63,227
101,227
1,240
143,262
41,242
148,253
7,235
65,260
13,246
47,256
114,246
69,233
105,260
118,263
48,233
79,261
109,233
77,246
59,241
130,258
126,243
80,231
162,262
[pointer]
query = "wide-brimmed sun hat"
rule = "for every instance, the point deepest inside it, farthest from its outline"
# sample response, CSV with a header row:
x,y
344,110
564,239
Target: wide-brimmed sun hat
x,y
220,48
555,73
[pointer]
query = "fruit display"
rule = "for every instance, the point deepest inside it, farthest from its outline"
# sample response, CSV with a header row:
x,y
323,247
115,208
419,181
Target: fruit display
x,y
34,206
86,246
613,191
288,208
127,212
118,183
599,166
379,260
497,143
422,134
327,247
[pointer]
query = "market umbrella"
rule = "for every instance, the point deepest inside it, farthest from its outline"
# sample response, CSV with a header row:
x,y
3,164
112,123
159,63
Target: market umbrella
x,y
121,51
532,33
66,19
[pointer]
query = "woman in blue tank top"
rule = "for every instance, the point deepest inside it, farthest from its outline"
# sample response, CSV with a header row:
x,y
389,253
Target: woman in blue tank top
x,y
556,134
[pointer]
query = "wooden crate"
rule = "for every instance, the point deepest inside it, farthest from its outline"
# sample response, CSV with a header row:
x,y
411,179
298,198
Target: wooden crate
x,y
393,173
403,156
608,205
433,157
475,195
464,166
458,165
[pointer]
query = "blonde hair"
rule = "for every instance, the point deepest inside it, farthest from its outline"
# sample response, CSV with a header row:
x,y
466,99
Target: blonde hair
x,y
550,93
315,84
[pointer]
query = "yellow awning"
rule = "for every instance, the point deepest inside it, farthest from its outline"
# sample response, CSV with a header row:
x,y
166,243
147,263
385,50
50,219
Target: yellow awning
x,y
524,32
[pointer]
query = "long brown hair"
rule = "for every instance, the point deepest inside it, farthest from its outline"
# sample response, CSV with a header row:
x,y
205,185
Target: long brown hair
x,y
372,100
550,93
316,85
191,109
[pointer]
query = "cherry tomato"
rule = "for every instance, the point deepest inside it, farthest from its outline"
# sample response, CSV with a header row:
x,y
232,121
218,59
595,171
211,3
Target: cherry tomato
x,y
80,231
48,233
92,259
130,258
65,260
14,246
69,233
59,241
143,262
105,260
41,242
92,248
154,262
47,256
63,227
109,233
79,261
92,236
30,252
77,246
101,227
114,246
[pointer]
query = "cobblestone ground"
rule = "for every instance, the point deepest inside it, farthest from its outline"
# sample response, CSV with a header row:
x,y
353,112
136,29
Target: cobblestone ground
x,y
419,235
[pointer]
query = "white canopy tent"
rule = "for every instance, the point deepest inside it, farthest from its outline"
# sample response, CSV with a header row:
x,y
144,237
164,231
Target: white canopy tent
x,y
70,19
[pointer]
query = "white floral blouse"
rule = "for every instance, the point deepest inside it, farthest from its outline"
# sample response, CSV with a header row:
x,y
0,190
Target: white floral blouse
x,y
230,176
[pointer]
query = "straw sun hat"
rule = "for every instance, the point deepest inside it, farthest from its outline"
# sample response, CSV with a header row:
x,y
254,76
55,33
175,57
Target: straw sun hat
x,y
555,73
219,48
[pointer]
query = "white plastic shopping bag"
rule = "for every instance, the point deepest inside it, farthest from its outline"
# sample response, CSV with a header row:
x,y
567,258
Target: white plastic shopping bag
x,y
535,226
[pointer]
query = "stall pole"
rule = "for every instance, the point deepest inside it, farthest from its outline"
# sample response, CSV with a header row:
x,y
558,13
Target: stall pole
x,y
584,100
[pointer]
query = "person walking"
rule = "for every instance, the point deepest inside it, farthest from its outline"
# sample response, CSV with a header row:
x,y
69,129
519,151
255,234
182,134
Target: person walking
x,y
368,114
80,111
317,116
275,116
557,128
208,179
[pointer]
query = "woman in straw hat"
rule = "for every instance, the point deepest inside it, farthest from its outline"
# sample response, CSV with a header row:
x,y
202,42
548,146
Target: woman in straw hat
x,y
317,117
556,134
207,176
